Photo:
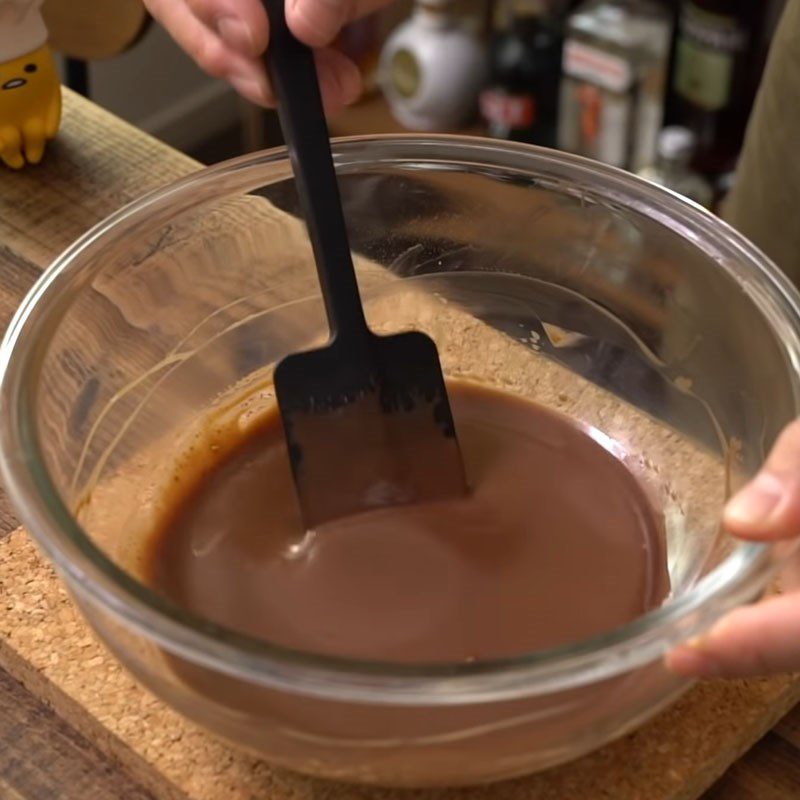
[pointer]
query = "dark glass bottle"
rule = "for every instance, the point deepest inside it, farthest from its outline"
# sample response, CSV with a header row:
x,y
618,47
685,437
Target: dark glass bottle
x,y
521,101
719,58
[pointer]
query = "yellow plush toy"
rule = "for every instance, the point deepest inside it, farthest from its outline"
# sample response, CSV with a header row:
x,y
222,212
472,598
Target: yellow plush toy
x,y
30,91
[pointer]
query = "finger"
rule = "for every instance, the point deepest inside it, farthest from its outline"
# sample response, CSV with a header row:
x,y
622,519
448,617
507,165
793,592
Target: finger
x,y
762,639
204,46
339,80
241,24
318,22
252,84
769,506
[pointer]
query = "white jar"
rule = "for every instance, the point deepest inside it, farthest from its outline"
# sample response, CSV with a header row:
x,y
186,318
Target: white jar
x,y
432,69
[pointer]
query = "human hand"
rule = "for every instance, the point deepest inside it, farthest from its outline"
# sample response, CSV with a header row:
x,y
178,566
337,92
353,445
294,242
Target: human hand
x,y
763,638
227,38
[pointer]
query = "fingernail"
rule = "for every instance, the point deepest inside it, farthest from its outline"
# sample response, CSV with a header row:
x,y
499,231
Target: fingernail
x,y
691,660
236,34
352,84
756,502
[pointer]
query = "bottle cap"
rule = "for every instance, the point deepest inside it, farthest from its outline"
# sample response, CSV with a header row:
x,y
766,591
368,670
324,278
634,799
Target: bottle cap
x,y
22,29
676,143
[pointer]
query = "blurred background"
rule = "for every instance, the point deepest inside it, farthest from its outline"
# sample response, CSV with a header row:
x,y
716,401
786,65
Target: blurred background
x,y
663,88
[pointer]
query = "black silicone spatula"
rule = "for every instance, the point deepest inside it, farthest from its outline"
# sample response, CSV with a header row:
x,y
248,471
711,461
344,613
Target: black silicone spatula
x,y
366,417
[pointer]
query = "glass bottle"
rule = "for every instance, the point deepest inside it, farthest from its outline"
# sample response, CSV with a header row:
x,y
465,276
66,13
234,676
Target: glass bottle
x,y
521,101
614,81
719,58
676,147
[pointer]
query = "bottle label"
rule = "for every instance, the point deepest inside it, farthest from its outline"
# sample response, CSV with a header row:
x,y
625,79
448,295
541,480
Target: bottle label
x,y
595,66
595,123
706,57
512,111
405,73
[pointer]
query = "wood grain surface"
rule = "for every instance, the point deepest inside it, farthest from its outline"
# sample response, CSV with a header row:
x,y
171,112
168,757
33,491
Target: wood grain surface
x,y
97,164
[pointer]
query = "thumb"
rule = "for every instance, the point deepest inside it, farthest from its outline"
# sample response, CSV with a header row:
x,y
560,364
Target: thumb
x,y
317,22
761,639
768,508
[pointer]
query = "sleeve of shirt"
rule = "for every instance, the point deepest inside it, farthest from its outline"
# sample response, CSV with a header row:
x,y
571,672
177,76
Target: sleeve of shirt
x,y
15,10
764,203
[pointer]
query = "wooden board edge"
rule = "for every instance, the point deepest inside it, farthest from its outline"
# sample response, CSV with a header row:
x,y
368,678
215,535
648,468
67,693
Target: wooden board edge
x,y
88,726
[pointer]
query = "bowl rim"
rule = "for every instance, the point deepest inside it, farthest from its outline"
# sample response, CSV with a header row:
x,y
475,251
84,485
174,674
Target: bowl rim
x,y
96,581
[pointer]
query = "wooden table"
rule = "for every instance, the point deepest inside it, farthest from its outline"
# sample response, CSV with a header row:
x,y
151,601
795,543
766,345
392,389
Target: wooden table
x,y
372,115
97,164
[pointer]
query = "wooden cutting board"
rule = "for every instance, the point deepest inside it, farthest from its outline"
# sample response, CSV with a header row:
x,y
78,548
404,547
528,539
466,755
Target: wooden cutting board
x,y
97,164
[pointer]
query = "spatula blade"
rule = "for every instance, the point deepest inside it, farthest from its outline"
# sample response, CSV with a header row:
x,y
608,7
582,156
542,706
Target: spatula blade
x,y
368,431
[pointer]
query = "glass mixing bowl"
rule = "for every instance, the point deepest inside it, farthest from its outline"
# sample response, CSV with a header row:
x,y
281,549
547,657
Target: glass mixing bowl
x,y
579,286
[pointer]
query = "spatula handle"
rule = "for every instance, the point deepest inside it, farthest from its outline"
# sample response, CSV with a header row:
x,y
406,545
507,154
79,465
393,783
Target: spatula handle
x,y
291,68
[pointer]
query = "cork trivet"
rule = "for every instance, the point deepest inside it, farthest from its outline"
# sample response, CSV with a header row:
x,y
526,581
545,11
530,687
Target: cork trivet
x,y
46,645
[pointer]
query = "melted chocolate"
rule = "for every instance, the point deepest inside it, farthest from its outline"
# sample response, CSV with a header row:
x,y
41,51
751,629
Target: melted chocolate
x,y
557,542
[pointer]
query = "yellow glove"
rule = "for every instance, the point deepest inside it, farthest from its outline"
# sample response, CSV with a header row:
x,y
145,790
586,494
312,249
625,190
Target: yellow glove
x,y
30,107
30,92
